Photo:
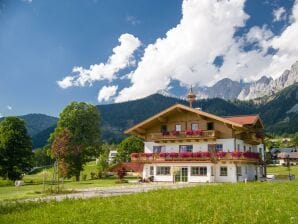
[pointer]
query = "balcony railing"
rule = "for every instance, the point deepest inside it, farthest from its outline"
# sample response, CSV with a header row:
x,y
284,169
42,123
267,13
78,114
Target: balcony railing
x,y
176,135
194,156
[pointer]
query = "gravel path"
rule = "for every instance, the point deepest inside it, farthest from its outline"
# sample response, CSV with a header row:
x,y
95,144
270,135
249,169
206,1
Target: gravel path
x,y
112,191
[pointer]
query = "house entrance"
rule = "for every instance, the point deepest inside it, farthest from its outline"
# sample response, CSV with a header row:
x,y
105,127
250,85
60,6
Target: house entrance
x,y
181,175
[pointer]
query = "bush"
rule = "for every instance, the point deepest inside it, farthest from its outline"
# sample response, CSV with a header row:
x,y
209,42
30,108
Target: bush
x,y
84,177
93,175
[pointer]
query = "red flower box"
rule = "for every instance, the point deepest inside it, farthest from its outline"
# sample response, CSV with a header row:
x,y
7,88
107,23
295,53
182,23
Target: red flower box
x,y
173,154
205,154
165,133
175,133
163,154
251,155
185,154
148,154
189,132
198,132
221,154
196,154
236,154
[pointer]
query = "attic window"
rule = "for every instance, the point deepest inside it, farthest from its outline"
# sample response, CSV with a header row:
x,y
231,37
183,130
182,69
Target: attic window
x,y
163,128
210,126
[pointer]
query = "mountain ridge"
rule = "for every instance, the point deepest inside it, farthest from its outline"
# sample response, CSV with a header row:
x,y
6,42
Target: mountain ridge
x,y
229,89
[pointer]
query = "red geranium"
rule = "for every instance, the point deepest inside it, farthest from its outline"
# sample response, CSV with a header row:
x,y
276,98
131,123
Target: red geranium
x,y
189,132
221,154
197,154
173,154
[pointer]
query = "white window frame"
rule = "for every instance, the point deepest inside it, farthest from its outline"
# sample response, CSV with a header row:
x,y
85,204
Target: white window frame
x,y
193,128
225,174
178,127
161,148
162,170
239,170
201,171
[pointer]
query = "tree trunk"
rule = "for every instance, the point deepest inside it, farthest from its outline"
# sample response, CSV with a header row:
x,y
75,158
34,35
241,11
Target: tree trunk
x,y
78,177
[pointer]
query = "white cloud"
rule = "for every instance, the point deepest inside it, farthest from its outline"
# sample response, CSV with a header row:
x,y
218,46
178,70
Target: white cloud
x,y
287,46
279,14
9,107
121,58
1,115
106,92
186,53
188,50
205,31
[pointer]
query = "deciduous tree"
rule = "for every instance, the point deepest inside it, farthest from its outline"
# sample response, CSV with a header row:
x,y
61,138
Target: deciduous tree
x,y
127,146
15,148
82,121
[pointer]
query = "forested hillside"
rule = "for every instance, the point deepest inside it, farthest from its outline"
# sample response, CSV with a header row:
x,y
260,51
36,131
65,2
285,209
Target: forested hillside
x,y
280,114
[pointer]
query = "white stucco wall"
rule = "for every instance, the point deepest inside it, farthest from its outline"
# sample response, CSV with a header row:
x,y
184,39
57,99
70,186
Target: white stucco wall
x,y
228,146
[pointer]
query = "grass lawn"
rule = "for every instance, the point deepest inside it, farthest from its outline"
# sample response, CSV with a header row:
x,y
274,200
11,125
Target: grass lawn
x,y
34,184
275,202
282,170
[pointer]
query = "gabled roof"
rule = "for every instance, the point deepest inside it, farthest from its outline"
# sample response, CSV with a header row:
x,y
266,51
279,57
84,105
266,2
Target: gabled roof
x,y
185,108
245,119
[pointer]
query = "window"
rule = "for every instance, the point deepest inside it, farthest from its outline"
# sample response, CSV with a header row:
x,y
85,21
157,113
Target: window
x,y
210,126
178,127
260,150
212,171
159,148
185,148
163,128
215,147
163,170
239,171
194,126
151,170
199,171
238,147
223,171
219,147
244,148
249,148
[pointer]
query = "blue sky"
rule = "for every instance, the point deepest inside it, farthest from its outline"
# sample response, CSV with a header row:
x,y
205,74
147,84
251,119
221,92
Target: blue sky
x,y
42,41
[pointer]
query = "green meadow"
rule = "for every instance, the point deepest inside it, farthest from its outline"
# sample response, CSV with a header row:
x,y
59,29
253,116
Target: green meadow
x,y
254,202
224,203
34,184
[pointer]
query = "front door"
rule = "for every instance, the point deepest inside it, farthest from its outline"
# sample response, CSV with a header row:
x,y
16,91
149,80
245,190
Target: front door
x,y
182,175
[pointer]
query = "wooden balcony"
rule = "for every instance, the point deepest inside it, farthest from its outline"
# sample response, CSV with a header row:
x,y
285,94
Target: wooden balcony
x,y
250,157
184,135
